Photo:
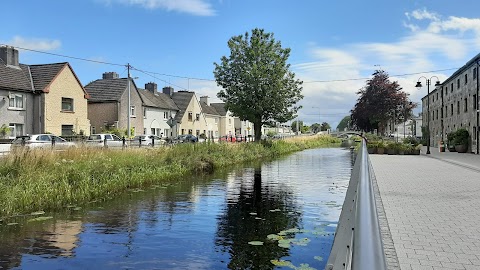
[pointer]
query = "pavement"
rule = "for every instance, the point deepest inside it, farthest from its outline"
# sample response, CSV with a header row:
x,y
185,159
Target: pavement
x,y
432,208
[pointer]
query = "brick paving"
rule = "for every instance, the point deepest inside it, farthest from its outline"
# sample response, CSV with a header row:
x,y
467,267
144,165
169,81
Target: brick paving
x,y
432,207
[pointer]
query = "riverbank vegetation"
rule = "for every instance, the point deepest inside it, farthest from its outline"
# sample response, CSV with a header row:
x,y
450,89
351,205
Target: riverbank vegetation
x,y
46,180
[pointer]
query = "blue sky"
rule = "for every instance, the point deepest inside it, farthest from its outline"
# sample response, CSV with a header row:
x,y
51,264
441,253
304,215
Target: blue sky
x,y
331,41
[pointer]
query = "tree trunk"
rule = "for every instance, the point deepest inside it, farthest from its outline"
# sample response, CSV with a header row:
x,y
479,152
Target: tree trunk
x,y
257,126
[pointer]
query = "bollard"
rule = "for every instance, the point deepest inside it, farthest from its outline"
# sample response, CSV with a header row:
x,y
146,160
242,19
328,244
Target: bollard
x,y
140,141
53,142
105,142
23,141
153,141
123,142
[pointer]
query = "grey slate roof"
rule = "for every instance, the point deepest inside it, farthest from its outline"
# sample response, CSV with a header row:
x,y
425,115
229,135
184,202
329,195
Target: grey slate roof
x,y
15,78
182,99
208,109
43,75
220,108
157,100
103,90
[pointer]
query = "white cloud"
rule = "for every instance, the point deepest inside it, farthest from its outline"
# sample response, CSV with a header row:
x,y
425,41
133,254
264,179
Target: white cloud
x,y
194,7
40,44
434,44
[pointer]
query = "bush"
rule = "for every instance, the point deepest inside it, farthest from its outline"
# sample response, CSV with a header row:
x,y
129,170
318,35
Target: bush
x,y
411,140
461,137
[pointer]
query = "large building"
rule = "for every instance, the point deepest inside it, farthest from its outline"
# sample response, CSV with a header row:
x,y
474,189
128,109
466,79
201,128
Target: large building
x,y
454,105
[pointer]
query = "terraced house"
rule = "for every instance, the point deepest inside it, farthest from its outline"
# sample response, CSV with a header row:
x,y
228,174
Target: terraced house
x,y
454,105
40,98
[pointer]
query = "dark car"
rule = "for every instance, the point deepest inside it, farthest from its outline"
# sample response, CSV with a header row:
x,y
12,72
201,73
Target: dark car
x,y
186,139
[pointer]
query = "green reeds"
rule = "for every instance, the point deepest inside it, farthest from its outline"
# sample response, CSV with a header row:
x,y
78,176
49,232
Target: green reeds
x,y
45,180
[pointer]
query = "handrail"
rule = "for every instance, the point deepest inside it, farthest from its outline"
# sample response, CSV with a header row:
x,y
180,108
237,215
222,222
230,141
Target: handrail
x,y
358,241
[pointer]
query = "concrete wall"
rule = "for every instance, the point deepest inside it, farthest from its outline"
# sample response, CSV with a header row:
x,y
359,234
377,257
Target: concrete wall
x,y
65,85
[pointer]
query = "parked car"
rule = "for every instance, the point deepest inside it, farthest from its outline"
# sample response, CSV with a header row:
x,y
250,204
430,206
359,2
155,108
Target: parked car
x,y
146,140
186,138
98,140
41,141
240,138
228,138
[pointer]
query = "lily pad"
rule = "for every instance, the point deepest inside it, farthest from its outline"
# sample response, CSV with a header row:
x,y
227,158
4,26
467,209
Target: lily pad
x,y
318,258
77,208
274,237
305,266
258,218
11,224
39,219
275,210
38,213
256,243
302,242
282,263
253,214
284,245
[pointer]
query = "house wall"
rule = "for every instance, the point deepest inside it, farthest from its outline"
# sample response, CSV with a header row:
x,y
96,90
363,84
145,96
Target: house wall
x,y
136,121
195,126
17,116
227,125
155,118
101,114
243,127
65,85
213,123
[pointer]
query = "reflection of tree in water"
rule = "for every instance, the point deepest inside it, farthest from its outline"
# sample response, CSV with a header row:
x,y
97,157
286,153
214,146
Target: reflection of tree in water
x,y
238,226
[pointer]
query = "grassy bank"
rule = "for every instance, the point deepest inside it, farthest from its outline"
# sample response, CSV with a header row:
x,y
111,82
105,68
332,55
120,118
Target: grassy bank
x,y
45,180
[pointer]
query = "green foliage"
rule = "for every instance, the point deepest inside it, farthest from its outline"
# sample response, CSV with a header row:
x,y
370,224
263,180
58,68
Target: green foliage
x,y
271,133
42,179
410,140
4,130
257,83
295,124
315,128
325,126
344,123
461,137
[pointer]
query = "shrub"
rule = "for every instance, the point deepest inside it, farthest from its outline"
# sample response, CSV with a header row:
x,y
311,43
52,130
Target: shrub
x,y
411,140
461,137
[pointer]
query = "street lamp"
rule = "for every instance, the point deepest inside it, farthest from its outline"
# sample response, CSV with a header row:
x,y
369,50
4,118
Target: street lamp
x,y
419,85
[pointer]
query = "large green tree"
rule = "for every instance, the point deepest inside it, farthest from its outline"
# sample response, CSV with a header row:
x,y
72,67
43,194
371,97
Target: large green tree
x,y
345,123
296,124
325,126
257,83
380,101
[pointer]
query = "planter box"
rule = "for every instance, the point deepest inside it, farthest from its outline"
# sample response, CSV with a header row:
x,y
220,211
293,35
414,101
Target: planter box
x,y
380,151
372,150
461,148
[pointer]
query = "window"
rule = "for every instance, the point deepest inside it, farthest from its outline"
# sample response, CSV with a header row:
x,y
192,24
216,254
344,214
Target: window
x,y
67,130
465,104
165,115
152,131
132,111
451,88
436,114
183,131
458,107
229,121
466,78
15,130
197,132
197,117
441,112
474,73
67,104
451,107
190,131
93,131
16,101
446,90
475,102
190,116
144,112
458,83
144,131
437,96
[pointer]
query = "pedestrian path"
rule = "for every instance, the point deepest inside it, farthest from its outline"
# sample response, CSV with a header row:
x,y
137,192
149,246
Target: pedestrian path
x,y
432,205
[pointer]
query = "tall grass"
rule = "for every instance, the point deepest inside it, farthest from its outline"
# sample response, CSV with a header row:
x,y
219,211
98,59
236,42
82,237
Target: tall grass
x,y
43,180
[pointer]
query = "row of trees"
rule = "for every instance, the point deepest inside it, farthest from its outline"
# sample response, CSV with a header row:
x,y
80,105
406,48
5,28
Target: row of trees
x,y
316,127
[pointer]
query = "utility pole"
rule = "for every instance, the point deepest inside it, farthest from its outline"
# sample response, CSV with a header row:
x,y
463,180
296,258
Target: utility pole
x,y
129,105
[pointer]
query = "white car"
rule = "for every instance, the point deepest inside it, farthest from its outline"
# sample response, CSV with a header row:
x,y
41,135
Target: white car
x,y
102,140
41,141
147,140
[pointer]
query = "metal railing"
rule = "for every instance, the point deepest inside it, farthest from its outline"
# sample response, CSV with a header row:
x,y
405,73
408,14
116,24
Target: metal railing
x,y
358,242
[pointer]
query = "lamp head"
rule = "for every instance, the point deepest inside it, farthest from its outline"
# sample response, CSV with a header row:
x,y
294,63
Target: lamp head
x,y
419,85
437,83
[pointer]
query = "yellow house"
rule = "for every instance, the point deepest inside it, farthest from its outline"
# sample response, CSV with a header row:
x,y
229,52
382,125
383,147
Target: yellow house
x,y
61,106
190,118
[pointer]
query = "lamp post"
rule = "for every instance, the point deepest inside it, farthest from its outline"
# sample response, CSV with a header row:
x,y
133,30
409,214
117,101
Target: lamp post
x,y
419,85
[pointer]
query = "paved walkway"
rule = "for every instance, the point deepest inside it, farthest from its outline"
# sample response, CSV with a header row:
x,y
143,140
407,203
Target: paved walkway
x,y
432,205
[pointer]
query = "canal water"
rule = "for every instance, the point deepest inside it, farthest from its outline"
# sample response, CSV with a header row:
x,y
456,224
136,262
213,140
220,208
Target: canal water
x,y
280,214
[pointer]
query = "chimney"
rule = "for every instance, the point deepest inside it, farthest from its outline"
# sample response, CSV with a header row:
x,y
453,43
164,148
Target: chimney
x,y
152,87
110,75
168,90
205,99
9,56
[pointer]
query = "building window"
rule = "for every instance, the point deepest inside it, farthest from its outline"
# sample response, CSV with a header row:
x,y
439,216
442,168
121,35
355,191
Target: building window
x,y
465,104
165,115
441,112
229,121
132,111
475,102
451,107
466,78
197,117
451,88
67,104
16,101
197,132
437,114
93,130
458,107
474,73
446,90
190,116
67,130
458,83
15,130
190,131
183,131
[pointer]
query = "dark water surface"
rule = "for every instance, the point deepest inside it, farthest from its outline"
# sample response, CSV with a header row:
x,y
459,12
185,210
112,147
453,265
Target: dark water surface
x,y
291,205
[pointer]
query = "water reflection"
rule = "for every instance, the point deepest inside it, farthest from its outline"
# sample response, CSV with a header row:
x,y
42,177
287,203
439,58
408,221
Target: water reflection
x,y
196,223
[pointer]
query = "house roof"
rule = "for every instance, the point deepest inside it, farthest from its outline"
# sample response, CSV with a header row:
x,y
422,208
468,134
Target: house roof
x,y
15,78
220,108
182,99
43,75
107,89
208,109
157,100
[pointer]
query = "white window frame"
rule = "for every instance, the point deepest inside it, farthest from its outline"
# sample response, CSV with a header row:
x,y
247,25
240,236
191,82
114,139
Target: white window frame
x,y
15,98
14,132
